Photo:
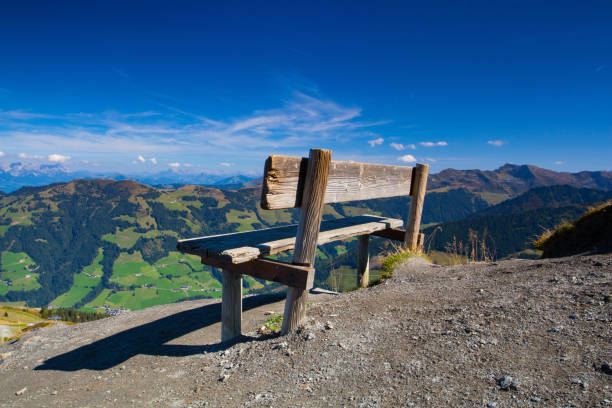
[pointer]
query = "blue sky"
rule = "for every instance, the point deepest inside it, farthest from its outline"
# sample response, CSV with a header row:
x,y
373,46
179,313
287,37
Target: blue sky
x,y
195,86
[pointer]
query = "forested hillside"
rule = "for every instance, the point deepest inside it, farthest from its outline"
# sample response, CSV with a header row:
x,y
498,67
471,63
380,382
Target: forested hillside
x,y
511,226
93,242
89,243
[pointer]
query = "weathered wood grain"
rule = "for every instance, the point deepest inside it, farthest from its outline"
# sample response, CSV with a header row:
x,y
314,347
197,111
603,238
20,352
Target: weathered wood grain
x,y
284,177
288,274
306,239
231,306
242,247
416,206
363,262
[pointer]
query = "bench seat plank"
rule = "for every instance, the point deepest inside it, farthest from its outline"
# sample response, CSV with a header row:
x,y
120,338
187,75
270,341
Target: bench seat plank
x,y
242,247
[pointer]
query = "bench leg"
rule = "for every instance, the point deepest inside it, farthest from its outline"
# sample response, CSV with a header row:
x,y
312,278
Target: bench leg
x,y
363,262
231,306
295,309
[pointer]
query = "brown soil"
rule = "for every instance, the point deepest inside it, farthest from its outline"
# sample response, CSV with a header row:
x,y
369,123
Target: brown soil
x,y
431,336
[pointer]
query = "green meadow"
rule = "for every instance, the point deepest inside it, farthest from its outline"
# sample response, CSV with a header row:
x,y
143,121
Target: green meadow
x,y
83,283
20,270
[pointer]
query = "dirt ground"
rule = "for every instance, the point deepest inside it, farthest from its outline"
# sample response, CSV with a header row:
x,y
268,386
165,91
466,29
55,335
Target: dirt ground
x,y
509,334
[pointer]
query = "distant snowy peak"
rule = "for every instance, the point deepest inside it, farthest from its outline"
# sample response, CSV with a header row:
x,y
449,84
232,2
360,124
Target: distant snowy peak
x,y
15,175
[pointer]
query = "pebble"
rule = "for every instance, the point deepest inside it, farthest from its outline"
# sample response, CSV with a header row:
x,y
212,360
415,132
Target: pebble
x,y
329,326
507,382
310,336
491,404
21,391
224,377
54,393
606,368
555,329
535,399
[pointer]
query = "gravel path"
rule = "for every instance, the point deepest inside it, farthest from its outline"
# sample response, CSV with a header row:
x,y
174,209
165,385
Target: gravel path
x,y
508,334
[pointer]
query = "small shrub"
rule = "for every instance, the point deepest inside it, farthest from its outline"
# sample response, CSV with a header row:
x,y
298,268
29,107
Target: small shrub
x,y
274,323
398,255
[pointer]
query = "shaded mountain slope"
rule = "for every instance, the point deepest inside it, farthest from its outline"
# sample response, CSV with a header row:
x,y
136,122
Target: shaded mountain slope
x,y
513,225
591,233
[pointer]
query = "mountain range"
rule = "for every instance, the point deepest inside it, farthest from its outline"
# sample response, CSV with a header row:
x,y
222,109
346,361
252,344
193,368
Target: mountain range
x,y
16,175
90,243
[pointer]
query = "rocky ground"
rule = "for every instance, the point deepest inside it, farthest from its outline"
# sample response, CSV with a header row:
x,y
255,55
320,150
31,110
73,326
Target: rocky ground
x,y
509,334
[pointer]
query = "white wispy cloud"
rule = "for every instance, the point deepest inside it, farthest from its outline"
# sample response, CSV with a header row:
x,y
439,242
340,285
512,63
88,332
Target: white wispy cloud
x,y
430,159
141,159
58,158
408,158
175,165
226,164
496,142
400,146
375,142
432,144
29,156
559,162
153,160
301,122
2,154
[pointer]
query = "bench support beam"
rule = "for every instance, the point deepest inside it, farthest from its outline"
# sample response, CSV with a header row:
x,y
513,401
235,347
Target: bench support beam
x,y
417,193
363,262
288,274
311,212
231,306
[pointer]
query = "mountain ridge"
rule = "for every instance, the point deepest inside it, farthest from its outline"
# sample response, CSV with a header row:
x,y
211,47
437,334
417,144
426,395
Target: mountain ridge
x,y
508,179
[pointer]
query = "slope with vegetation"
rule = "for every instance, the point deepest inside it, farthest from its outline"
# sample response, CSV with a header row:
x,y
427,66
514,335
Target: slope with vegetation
x,y
90,243
93,243
590,233
510,227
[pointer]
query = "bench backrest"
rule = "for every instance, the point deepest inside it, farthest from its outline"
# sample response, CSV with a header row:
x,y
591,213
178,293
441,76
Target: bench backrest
x,y
284,177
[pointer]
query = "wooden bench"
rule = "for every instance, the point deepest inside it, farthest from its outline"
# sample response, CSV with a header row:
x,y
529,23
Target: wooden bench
x,y
308,184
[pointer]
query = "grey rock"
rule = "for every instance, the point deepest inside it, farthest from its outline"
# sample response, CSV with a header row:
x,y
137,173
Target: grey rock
x,y
507,383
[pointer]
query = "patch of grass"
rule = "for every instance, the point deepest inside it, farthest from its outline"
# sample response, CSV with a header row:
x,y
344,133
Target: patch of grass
x,y
125,239
340,249
445,258
18,315
274,323
246,219
398,255
493,198
274,217
563,228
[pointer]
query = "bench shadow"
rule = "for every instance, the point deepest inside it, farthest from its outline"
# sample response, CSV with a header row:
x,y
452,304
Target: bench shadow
x,y
151,339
